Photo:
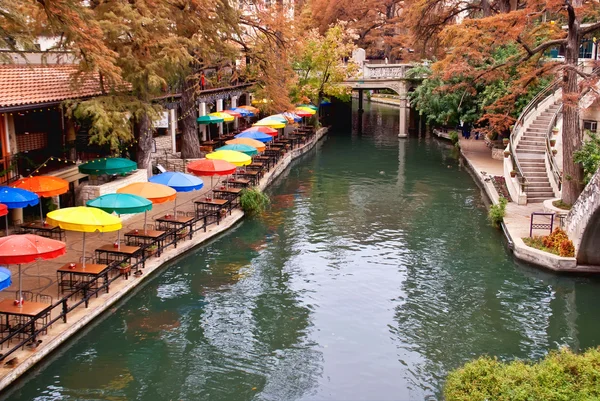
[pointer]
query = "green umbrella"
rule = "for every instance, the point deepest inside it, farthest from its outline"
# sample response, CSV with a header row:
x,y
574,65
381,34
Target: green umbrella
x,y
247,149
315,108
121,204
108,165
209,120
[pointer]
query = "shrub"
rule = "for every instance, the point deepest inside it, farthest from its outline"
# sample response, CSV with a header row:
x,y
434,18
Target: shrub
x,y
497,212
589,156
557,243
254,201
561,375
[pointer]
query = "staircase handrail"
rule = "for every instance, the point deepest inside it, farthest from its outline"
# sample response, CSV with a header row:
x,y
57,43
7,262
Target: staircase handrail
x,y
531,106
554,169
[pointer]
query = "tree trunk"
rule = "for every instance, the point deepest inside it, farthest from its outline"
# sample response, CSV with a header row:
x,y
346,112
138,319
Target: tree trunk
x,y
190,144
144,151
572,172
486,8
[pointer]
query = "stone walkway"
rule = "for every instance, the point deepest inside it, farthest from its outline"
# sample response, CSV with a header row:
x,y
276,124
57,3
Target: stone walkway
x,y
518,217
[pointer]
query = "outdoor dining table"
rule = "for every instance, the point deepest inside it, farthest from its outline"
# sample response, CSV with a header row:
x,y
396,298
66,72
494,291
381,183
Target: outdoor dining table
x,y
211,207
237,182
230,194
45,230
251,175
146,238
171,222
109,253
76,274
28,309
263,159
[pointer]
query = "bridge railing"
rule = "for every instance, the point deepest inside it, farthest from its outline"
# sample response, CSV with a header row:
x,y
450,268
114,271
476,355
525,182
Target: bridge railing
x,y
385,71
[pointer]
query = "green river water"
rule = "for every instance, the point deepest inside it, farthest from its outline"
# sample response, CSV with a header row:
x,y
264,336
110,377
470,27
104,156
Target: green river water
x,y
374,273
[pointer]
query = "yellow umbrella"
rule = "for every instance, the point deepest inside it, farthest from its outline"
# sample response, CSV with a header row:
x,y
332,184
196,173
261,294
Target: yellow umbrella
x,y
306,109
248,141
269,123
84,219
231,156
226,117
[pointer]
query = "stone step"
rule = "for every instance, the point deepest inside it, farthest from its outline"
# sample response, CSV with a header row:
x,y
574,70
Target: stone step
x,y
535,186
531,142
528,170
534,136
533,130
536,175
531,149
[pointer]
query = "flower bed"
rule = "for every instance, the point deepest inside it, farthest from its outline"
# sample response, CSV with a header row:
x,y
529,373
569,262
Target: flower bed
x,y
500,185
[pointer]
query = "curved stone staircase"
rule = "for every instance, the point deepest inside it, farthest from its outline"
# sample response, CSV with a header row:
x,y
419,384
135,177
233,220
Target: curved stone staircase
x,y
531,153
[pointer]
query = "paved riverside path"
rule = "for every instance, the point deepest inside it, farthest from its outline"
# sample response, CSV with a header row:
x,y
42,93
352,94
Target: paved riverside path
x,y
518,217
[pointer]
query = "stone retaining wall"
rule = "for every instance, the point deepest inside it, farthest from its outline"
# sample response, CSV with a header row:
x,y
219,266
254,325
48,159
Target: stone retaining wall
x,y
87,192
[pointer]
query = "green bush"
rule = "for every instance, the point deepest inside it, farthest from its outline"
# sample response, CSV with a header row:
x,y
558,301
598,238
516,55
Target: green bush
x,y
497,212
561,375
453,135
254,201
589,156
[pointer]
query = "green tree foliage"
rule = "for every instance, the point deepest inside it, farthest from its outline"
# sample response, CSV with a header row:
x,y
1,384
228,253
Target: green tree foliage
x,y
560,376
320,64
254,201
589,156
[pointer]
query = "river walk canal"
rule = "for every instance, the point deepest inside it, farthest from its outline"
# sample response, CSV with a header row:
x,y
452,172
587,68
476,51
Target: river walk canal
x,y
374,273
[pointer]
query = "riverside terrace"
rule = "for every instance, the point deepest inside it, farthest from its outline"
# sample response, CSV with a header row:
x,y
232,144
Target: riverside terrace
x,y
60,292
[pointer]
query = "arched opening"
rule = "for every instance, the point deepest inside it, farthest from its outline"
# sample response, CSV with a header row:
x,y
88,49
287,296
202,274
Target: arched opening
x,y
588,253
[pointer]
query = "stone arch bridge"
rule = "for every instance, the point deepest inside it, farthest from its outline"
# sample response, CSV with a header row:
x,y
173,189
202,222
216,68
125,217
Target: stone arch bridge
x,y
386,76
583,224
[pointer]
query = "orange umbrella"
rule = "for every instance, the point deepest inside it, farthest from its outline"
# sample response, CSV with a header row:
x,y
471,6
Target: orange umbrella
x,y
155,193
250,108
45,186
248,141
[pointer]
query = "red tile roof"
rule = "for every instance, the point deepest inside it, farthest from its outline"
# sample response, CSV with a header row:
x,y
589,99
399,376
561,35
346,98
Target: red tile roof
x,y
30,84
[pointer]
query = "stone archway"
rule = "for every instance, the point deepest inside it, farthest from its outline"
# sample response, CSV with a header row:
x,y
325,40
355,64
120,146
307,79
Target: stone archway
x,y
583,223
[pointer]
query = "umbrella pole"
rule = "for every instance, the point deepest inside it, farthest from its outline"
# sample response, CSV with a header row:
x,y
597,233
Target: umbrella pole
x,y
20,289
84,250
175,208
41,213
6,221
145,218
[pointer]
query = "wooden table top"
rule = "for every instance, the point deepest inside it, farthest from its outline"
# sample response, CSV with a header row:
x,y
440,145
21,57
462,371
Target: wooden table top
x,y
29,308
39,226
173,219
90,268
218,202
145,234
124,250
229,190
239,181
248,172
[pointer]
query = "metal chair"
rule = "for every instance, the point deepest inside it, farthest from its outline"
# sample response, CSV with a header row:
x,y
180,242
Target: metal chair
x,y
44,318
26,295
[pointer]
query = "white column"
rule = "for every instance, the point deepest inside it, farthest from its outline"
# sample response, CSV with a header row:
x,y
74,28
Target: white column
x,y
403,131
233,106
202,112
173,129
220,108
248,99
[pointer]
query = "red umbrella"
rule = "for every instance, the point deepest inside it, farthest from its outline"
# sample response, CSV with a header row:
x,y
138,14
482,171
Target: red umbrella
x,y
211,167
26,248
263,129
4,212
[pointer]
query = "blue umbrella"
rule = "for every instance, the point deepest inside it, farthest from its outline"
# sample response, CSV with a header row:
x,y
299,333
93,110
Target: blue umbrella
x,y
16,198
243,112
296,117
180,182
5,278
259,136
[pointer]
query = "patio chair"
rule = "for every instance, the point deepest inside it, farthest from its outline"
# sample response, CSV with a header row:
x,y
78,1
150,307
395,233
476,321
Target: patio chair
x,y
44,318
27,295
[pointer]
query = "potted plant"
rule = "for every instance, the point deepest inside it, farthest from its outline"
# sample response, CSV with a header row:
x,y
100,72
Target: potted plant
x,y
506,153
182,233
555,129
124,268
554,152
552,142
505,141
513,173
152,249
